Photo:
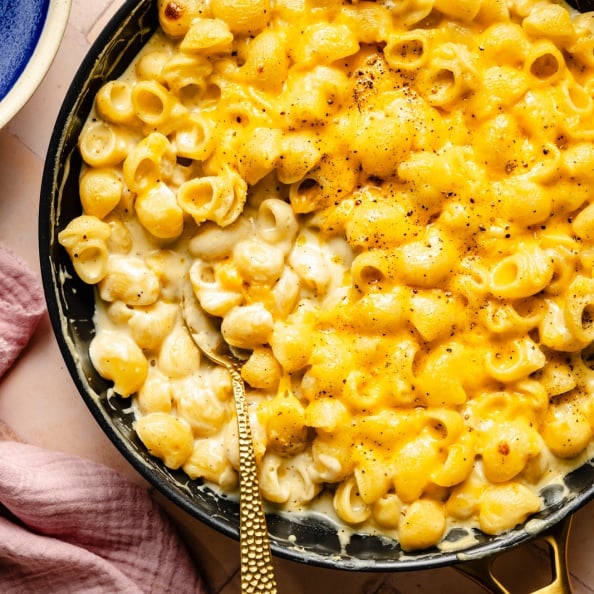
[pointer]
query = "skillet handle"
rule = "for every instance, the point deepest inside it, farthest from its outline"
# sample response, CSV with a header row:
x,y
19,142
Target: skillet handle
x,y
557,537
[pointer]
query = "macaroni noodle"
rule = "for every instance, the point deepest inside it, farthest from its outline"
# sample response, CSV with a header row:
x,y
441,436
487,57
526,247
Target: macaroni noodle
x,y
387,206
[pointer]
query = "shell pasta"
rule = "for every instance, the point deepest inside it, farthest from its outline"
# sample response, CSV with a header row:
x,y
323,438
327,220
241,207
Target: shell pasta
x,y
387,207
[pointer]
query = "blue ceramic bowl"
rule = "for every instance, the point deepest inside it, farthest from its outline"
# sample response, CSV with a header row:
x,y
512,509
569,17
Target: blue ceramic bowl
x,y
30,34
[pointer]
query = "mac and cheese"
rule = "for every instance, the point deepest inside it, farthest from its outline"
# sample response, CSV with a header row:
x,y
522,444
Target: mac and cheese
x,y
388,205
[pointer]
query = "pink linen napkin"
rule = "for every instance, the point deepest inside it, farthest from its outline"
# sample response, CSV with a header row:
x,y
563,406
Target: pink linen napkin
x,y
21,307
72,526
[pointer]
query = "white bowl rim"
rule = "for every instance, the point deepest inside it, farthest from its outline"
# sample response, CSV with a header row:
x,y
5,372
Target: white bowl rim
x,y
40,61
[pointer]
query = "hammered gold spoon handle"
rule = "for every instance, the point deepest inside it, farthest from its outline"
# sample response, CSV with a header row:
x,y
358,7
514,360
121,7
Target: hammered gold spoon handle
x,y
257,571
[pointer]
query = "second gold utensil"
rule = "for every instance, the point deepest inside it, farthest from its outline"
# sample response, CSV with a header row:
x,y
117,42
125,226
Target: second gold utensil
x,y
257,571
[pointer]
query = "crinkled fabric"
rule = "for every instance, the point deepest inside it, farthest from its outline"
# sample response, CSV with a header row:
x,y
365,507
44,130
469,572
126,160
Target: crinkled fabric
x,y
69,525
21,307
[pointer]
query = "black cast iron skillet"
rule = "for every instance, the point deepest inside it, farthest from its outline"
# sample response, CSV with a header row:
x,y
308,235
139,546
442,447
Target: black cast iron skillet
x,y
311,539
582,5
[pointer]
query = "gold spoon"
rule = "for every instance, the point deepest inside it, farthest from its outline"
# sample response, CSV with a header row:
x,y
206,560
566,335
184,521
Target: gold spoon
x,y
257,571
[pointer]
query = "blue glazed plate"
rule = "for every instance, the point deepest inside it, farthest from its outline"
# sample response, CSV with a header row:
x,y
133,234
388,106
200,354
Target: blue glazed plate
x,y
30,34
